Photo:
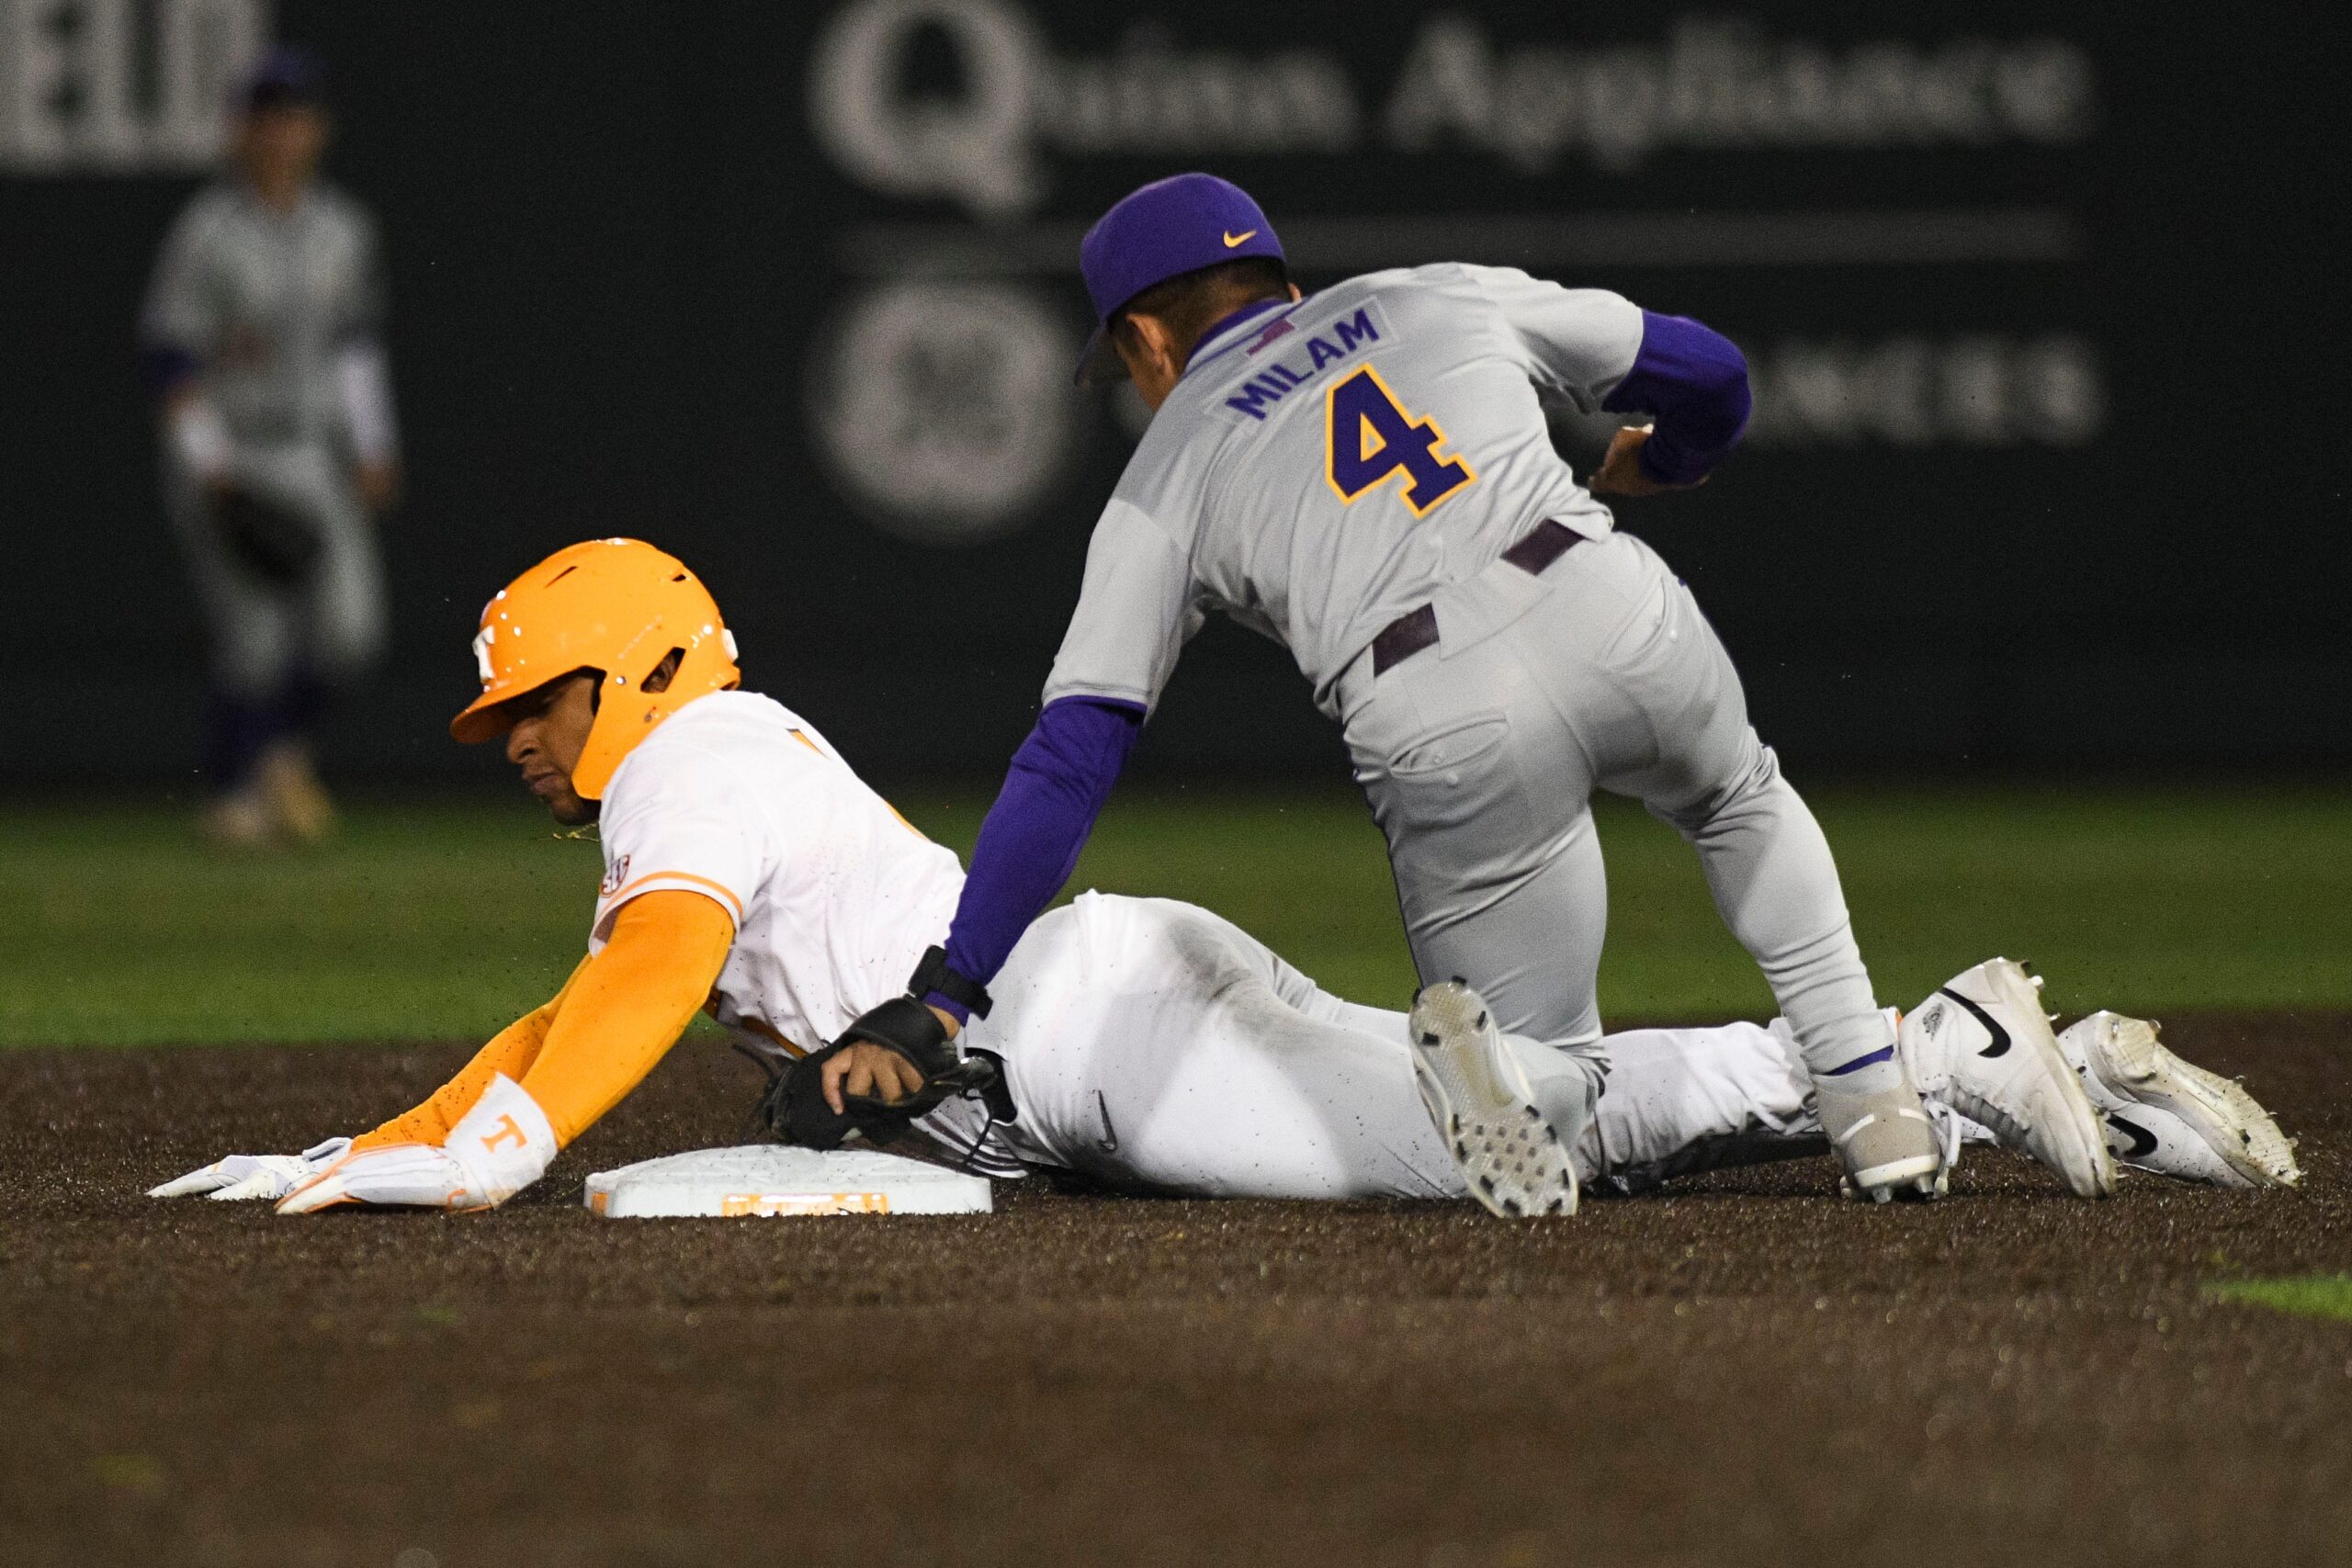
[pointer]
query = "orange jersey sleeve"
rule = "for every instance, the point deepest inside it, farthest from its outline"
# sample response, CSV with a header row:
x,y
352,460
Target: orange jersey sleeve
x,y
596,1039
510,1051
629,1005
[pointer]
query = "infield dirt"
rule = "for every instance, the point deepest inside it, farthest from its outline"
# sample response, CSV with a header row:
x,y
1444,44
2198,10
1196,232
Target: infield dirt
x,y
1740,1370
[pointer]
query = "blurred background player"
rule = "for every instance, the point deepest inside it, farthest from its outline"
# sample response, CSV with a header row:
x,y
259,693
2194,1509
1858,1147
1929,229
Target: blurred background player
x,y
262,340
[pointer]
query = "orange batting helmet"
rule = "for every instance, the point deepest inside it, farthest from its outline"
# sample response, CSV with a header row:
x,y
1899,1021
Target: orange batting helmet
x,y
618,606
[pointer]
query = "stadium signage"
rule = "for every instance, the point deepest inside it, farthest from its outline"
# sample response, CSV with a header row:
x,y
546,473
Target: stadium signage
x,y
1707,84
120,87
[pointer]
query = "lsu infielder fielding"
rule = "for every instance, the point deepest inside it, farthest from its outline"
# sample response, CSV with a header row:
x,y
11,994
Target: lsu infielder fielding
x,y
1366,476
262,339
1144,1043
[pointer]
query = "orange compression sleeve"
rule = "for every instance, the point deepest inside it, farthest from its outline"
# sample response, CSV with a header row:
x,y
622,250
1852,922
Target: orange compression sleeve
x,y
628,1005
510,1051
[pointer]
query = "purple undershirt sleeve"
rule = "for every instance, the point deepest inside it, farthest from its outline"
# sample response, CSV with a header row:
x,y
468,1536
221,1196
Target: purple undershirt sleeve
x,y
1030,841
162,367
1693,381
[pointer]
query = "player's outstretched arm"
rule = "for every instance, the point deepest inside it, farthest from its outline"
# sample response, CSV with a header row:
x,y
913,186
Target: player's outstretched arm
x,y
629,1005
1029,843
897,1061
618,1015
236,1178
510,1051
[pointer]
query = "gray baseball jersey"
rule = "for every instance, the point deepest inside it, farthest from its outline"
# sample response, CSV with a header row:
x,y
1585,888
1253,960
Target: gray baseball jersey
x,y
1323,468
263,301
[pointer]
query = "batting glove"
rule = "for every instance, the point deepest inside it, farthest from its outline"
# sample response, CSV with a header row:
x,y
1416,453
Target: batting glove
x,y
499,1147
240,1177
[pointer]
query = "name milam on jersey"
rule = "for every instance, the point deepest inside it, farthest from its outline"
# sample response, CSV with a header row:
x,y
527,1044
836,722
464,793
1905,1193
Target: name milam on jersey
x,y
1276,380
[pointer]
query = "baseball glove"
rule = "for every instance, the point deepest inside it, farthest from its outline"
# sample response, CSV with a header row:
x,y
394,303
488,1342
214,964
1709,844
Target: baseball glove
x,y
274,543
794,1109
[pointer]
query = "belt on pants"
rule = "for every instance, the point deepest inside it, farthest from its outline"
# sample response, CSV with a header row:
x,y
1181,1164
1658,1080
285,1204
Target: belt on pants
x,y
1414,630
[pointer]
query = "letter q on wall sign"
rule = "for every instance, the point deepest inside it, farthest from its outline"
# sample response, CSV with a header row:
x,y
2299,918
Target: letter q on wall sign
x,y
944,408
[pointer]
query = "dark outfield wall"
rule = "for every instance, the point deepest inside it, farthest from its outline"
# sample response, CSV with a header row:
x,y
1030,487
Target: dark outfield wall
x,y
2048,463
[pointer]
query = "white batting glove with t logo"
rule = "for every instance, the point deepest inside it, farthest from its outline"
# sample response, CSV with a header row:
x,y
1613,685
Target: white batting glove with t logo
x,y
499,1147
239,1177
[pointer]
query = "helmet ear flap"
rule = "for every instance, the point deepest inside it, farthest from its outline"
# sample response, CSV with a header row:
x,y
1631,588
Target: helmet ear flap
x,y
612,736
658,678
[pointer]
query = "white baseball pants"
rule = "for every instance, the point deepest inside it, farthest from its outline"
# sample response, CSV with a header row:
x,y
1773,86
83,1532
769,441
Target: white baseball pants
x,y
1151,1045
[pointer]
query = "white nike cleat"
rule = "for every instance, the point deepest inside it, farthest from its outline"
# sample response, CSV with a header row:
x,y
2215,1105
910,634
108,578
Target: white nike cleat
x,y
2171,1116
409,1176
1982,1045
1484,1108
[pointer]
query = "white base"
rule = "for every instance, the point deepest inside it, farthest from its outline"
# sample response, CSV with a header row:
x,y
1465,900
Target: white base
x,y
767,1180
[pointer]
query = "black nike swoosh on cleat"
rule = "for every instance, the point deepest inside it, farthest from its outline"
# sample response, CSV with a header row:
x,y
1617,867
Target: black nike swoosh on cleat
x,y
2000,1046
2143,1142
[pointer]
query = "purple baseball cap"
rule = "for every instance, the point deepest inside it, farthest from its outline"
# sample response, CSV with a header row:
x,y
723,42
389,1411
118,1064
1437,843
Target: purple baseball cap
x,y
1158,232
289,75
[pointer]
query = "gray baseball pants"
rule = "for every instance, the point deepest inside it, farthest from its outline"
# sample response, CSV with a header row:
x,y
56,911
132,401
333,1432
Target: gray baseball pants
x,y
263,635
1479,757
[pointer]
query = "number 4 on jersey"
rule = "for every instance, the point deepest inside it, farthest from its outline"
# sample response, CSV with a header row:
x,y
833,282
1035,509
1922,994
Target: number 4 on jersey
x,y
1371,439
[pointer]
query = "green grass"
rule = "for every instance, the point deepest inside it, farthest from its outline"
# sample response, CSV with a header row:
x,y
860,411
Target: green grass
x,y
2315,1295
429,921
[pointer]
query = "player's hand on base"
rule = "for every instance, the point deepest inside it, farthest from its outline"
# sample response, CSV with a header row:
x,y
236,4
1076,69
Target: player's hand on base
x,y
395,1175
239,1177
867,1068
1621,472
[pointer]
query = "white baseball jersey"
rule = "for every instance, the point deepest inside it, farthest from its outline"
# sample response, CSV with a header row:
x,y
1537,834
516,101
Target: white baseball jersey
x,y
1323,468
833,896
265,301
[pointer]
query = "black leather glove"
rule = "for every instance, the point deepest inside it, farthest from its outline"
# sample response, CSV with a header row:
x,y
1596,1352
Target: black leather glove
x,y
274,543
794,1108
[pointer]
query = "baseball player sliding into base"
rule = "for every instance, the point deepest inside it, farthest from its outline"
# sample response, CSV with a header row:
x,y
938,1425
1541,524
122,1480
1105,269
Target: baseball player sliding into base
x,y
1143,1044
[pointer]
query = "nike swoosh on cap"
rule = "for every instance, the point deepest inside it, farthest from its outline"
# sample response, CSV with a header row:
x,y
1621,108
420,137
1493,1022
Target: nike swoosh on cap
x,y
1232,239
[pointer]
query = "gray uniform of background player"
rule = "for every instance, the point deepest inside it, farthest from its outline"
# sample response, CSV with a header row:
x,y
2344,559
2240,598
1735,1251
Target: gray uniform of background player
x,y
279,311
1478,755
